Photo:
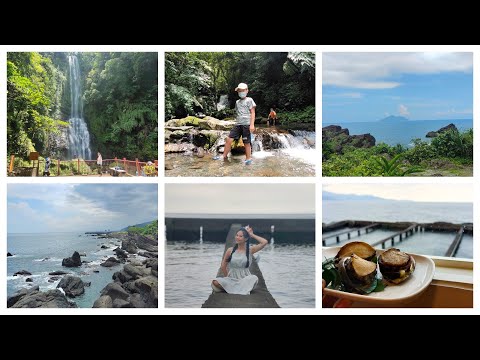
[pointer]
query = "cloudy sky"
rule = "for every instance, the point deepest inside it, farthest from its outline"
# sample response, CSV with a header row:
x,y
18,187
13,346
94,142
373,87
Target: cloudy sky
x,y
419,86
238,199
37,208
411,192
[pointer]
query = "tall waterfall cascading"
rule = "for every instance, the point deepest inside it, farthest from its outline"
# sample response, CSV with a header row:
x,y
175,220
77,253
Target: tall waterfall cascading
x,y
78,135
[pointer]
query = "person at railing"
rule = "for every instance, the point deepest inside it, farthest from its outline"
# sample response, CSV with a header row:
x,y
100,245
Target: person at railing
x,y
149,169
46,172
99,163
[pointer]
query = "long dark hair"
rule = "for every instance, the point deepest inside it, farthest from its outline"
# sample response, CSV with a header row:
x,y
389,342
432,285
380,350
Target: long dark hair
x,y
247,251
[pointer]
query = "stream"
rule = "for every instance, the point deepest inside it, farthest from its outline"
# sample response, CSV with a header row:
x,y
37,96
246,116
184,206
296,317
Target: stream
x,y
275,153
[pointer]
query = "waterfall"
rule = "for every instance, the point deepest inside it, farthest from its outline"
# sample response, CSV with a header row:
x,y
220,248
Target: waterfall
x,y
79,137
222,103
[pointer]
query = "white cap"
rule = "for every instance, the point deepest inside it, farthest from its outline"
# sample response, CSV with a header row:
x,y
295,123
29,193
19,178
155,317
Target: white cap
x,y
241,86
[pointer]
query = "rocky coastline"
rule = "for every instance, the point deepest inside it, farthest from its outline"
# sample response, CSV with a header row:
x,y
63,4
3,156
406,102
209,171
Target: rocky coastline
x,y
134,286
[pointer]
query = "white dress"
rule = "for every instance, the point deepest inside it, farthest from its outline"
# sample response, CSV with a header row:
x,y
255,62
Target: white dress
x,y
239,280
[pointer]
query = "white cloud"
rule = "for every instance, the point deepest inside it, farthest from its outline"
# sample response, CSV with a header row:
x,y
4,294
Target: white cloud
x,y
381,70
348,95
403,110
455,112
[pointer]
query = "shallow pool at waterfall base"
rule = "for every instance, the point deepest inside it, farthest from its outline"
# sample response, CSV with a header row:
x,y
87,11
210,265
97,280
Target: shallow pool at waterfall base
x,y
41,254
289,272
278,163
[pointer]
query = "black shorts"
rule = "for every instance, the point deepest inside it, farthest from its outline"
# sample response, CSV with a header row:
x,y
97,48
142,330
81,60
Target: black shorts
x,y
242,131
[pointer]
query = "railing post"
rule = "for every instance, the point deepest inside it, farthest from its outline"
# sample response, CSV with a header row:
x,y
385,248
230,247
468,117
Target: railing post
x,y
12,163
348,236
58,167
338,239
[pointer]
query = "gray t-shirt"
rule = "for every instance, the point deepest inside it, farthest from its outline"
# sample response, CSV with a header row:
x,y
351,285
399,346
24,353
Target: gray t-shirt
x,y
242,110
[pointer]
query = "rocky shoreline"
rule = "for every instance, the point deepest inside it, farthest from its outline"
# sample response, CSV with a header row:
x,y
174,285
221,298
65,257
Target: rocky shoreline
x,y
135,286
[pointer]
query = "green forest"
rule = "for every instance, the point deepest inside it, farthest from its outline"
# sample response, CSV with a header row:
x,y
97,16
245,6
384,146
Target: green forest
x,y
120,103
448,154
195,81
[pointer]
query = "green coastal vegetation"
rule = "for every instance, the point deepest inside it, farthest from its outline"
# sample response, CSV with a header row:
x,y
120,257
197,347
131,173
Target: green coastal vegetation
x,y
147,229
196,81
449,153
119,95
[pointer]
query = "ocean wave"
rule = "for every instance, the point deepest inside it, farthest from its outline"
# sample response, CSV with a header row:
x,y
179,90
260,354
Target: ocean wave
x,y
48,259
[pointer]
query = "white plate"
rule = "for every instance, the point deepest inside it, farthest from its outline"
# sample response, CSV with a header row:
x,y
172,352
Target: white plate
x,y
393,294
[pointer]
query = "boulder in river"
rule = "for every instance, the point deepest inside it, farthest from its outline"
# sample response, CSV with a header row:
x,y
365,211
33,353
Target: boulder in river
x,y
74,261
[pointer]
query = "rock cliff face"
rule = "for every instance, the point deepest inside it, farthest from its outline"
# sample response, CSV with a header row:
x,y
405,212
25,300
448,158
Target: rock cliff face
x,y
58,144
340,138
432,134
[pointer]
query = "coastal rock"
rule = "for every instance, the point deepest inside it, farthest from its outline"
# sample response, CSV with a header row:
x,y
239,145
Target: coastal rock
x,y
148,254
145,243
115,291
22,273
121,254
49,299
104,301
121,304
104,247
72,286
148,289
432,134
12,300
111,262
9,255
58,273
152,263
337,138
54,278
29,280
74,261
135,272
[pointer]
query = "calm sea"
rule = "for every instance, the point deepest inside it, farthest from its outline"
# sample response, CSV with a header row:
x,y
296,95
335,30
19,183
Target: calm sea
x,y
427,243
401,132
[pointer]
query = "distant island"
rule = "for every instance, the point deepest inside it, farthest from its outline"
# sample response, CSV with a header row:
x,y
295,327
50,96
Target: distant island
x,y
394,119
349,197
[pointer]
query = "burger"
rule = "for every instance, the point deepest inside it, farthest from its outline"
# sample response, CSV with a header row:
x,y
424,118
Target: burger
x,y
396,266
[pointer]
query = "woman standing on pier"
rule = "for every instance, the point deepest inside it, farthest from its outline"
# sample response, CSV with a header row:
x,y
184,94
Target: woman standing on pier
x,y
236,263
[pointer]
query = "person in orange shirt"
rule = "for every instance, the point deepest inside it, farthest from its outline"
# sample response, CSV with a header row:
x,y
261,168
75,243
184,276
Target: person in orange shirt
x,y
272,117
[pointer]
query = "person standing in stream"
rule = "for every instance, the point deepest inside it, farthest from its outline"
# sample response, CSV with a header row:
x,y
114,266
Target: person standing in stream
x,y
245,123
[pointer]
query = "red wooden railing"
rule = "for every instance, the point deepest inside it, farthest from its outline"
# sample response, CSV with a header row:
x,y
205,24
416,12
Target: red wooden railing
x,y
77,167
